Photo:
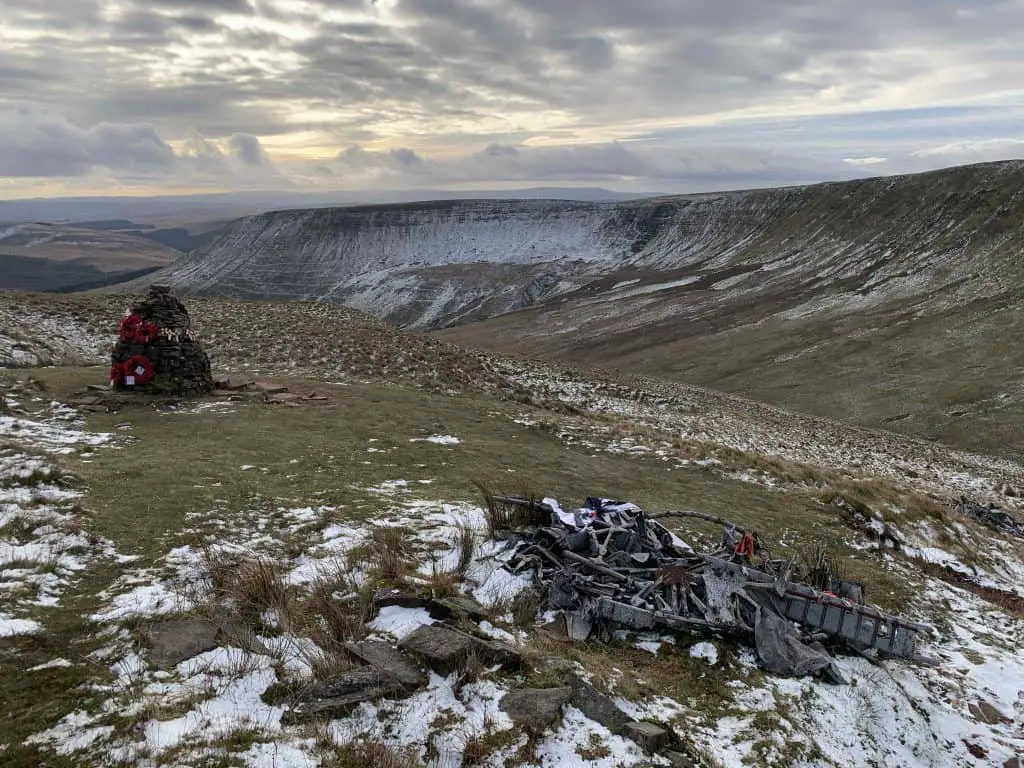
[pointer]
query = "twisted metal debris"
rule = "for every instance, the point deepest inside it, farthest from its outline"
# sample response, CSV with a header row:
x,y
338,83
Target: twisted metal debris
x,y
612,566
990,515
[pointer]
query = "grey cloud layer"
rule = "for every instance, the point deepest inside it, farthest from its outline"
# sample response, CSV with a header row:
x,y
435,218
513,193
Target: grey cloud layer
x,y
482,70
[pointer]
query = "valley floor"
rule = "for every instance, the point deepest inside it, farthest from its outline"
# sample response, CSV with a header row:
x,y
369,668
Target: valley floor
x,y
270,519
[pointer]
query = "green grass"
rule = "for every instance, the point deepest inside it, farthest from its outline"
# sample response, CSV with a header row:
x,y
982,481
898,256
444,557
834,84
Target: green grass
x,y
169,466
141,494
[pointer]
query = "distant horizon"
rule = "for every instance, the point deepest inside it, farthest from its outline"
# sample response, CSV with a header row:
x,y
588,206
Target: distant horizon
x,y
468,192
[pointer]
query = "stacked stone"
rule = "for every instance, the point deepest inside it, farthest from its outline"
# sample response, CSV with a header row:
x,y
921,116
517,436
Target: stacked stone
x,y
156,350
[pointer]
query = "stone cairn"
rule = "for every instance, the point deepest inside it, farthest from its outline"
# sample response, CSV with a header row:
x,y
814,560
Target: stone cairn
x,y
156,351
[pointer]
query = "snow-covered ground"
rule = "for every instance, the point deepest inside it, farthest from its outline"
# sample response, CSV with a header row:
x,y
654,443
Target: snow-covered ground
x,y
44,548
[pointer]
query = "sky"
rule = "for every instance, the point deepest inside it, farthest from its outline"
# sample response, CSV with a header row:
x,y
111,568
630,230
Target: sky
x,y
170,96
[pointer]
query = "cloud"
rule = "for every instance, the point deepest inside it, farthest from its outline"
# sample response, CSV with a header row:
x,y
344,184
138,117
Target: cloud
x,y
975,151
652,166
249,151
41,144
521,88
865,161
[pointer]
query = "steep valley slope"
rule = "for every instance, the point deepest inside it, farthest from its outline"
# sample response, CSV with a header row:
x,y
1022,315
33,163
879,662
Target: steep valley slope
x,y
889,302
38,256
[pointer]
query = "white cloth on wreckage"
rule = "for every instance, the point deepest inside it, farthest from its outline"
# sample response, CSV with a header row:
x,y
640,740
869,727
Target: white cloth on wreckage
x,y
581,518
578,518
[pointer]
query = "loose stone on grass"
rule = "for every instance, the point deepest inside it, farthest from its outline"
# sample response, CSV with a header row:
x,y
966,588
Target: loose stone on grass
x,y
388,661
536,709
178,640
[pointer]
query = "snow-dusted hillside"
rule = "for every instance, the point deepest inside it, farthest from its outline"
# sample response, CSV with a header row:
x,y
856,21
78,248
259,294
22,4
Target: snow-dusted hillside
x,y
421,263
433,264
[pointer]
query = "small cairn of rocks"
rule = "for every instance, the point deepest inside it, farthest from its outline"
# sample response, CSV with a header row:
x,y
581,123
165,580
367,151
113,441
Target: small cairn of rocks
x,y
156,351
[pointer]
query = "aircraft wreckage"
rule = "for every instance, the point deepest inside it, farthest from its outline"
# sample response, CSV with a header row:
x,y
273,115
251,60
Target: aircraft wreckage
x,y
612,566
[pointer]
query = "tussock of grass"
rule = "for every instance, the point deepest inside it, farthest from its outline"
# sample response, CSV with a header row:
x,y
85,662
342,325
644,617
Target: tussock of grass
x,y
504,516
594,749
444,583
465,539
524,608
489,741
367,753
337,607
391,552
250,585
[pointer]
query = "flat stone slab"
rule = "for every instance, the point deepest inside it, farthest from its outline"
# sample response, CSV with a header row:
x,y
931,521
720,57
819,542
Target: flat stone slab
x,y
340,695
446,649
450,607
388,661
387,597
443,649
536,709
496,652
598,707
178,640
282,397
648,736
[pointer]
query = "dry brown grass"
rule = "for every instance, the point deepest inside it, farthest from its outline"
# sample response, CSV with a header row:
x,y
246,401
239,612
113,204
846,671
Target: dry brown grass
x,y
391,553
337,607
249,585
368,753
1008,601
466,543
505,516
489,741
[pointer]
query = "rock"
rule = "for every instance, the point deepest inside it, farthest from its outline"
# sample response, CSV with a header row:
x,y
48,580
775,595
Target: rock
x,y
281,397
457,607
157,353
578,628
242,636
986,712
178,640
975,749
443,649
1014,762
557,626
385,597
597,706
535,708
555,664
648,736
495,652
390,661
340,695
